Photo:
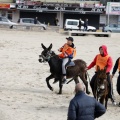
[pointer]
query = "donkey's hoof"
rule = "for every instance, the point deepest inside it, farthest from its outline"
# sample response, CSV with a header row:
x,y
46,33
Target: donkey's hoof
x,y
88,92
51,89
60,93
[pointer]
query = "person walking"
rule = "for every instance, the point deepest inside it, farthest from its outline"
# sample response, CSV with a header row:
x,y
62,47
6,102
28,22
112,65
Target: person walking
x,y
85,24
117,66
35,20
56,21
84,107
80,23
102,60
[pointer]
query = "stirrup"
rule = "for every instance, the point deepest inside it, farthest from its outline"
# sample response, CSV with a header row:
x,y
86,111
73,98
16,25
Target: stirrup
x,y
64,81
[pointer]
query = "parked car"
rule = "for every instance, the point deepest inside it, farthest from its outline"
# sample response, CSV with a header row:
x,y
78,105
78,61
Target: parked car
x,y
72,24
6,21
112,28
30,21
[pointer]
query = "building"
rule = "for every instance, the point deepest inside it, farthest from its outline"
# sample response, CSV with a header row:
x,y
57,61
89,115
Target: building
x,y
48,10
7,9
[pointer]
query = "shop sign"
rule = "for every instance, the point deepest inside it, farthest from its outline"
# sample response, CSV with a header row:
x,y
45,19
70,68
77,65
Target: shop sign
x,y
57,8
113,8
4,6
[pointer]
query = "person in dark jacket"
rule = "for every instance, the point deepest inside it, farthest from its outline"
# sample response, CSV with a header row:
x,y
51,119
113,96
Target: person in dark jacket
x,y
86,25
84,107
117,66
35,20
80,23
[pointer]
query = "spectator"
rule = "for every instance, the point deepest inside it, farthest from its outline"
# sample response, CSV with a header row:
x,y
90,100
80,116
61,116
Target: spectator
x,y
80,23
35,20
117,66
83,107
56,22
86,25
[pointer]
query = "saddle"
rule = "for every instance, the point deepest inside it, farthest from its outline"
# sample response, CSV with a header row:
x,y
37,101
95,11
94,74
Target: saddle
x,y
70,64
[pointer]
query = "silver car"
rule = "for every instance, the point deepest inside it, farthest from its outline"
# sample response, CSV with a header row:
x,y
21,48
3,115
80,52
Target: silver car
x,y
6,21
112,28
30,21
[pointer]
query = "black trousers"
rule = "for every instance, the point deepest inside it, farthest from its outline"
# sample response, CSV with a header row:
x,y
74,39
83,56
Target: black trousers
x,y
109,82
118,84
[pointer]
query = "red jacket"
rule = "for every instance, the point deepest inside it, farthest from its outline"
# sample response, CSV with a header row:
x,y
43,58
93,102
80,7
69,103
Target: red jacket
x,y
109,62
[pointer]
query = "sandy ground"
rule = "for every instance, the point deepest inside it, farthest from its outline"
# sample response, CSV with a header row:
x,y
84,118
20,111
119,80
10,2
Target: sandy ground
x,y
23,91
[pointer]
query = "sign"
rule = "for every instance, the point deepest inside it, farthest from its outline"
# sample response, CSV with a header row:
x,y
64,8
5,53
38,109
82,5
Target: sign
x,y
59,8
113,8
4,6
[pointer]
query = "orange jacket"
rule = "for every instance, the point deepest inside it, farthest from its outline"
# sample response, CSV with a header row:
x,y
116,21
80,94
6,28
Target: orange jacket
x,y
67,51
101,61
109,61
119,65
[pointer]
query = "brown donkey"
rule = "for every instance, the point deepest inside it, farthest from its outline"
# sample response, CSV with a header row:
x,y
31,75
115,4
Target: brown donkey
x,y
101,88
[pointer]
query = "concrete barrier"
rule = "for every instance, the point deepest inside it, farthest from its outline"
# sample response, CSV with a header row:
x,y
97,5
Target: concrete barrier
x,y
23,27
83,33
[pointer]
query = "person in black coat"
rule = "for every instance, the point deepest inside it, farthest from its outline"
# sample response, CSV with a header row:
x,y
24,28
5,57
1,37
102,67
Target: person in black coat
x,y
83,107
86,25
35,20
80,23
117,66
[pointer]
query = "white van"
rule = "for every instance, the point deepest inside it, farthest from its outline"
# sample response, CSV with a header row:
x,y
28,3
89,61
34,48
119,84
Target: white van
x,y
72,24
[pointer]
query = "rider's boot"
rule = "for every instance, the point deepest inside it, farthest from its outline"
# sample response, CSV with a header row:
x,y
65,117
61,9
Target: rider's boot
x,y
64,80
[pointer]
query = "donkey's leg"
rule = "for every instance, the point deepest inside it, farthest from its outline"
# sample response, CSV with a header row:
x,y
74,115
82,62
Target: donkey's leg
x,y
76,80
106,100
60,86
102,100
85,83
47,81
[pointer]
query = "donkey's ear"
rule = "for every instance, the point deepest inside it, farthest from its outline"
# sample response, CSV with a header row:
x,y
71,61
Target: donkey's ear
x,y
105,68
50,47
98,68
43,46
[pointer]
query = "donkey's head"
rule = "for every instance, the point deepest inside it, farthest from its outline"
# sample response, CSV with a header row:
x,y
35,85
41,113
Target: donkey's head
x,y
46,54
101,80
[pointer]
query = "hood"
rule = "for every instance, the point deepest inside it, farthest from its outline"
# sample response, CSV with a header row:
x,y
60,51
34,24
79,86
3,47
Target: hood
x,y
104,47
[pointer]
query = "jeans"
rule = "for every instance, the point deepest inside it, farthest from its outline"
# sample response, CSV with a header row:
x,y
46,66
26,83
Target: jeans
x,y
65,61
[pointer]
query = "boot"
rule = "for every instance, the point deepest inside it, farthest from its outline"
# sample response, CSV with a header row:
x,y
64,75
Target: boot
x,y
64,81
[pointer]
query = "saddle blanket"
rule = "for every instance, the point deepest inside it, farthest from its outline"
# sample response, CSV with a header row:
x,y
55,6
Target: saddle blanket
x,y
71,64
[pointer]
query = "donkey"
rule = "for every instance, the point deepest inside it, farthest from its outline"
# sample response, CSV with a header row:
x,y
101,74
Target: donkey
x,y
55,63
101,87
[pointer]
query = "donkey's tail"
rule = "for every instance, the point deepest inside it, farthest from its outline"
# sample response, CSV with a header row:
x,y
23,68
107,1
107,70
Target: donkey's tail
x,y
86,75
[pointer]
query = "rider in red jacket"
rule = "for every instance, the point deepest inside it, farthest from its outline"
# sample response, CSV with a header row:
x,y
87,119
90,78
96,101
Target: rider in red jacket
x,y
102,60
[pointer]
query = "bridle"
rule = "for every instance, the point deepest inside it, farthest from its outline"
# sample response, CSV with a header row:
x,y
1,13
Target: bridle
x,y
100,88
43,58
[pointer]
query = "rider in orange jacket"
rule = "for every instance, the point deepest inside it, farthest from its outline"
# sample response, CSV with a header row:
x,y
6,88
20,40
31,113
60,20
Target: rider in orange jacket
x,y
117,66
67,53
102,60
